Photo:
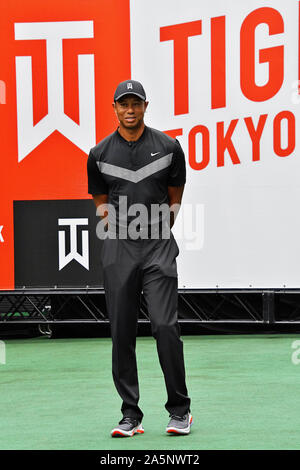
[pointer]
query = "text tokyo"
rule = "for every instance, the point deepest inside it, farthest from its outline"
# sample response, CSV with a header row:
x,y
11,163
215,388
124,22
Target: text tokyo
x,y
222,136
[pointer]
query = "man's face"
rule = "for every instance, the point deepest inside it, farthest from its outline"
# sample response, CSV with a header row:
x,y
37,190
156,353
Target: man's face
x,y
130,110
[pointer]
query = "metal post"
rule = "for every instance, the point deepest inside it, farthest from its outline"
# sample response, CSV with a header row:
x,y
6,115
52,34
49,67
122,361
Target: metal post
x,y
268,306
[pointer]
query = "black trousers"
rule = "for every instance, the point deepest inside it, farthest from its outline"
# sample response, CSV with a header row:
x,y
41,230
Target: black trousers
x,y
130,267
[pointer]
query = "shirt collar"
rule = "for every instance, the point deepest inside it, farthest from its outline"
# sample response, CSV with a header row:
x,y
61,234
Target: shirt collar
x,y
132,141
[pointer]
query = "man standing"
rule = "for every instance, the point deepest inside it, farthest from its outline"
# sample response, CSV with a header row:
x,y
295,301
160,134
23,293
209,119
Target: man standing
x,y
141,170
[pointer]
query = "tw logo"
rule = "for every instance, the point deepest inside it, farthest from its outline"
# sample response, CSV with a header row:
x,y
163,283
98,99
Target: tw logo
x,y
82,135
64,258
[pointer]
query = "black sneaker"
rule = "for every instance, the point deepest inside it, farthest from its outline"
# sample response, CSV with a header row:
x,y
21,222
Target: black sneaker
x,y
127,428
180,424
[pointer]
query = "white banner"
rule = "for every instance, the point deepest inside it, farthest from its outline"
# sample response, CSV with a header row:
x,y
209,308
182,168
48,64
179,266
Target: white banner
x,y
224,75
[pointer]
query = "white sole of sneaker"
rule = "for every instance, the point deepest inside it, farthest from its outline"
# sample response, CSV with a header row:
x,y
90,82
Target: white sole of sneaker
x,y
174,430
118,432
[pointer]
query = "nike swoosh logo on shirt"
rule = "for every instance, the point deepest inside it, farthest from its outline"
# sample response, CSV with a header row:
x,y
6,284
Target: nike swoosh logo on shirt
x,y
152,154
136,175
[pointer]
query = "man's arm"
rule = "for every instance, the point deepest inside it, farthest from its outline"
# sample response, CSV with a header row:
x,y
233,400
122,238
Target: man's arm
x,y
175,195
100,201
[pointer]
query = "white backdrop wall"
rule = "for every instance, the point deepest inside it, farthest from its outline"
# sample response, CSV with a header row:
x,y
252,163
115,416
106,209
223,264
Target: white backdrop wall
x,y
239,224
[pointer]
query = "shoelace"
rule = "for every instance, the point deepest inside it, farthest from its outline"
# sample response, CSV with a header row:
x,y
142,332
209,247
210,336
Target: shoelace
x,y
126,420
180,418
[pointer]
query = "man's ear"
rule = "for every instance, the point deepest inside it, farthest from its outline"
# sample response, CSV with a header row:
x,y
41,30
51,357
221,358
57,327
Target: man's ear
x,y
114,108
146,105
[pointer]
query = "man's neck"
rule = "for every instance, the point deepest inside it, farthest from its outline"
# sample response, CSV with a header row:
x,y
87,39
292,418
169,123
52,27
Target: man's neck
x,y
131,134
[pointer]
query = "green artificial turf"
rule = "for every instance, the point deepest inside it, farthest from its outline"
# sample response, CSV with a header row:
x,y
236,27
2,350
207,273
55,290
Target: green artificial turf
x,y
59,394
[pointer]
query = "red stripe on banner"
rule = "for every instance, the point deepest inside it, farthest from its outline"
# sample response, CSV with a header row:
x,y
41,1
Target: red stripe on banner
x,y
179,34
218,63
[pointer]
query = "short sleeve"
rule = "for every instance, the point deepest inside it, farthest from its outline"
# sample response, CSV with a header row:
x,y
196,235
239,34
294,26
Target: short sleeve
x,y
96,183
177,175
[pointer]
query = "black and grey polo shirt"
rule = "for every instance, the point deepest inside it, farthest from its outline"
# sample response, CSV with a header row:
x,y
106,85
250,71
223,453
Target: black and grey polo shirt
x,y
136,173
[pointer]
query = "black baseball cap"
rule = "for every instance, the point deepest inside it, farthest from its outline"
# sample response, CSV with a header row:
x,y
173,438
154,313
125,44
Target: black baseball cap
x,y
130,87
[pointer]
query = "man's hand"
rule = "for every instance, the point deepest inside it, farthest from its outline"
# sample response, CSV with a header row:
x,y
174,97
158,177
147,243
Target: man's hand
x,y
175,195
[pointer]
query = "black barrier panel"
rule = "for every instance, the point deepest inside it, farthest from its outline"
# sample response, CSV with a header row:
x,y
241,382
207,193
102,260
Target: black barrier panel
x,y
287,307
55,244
